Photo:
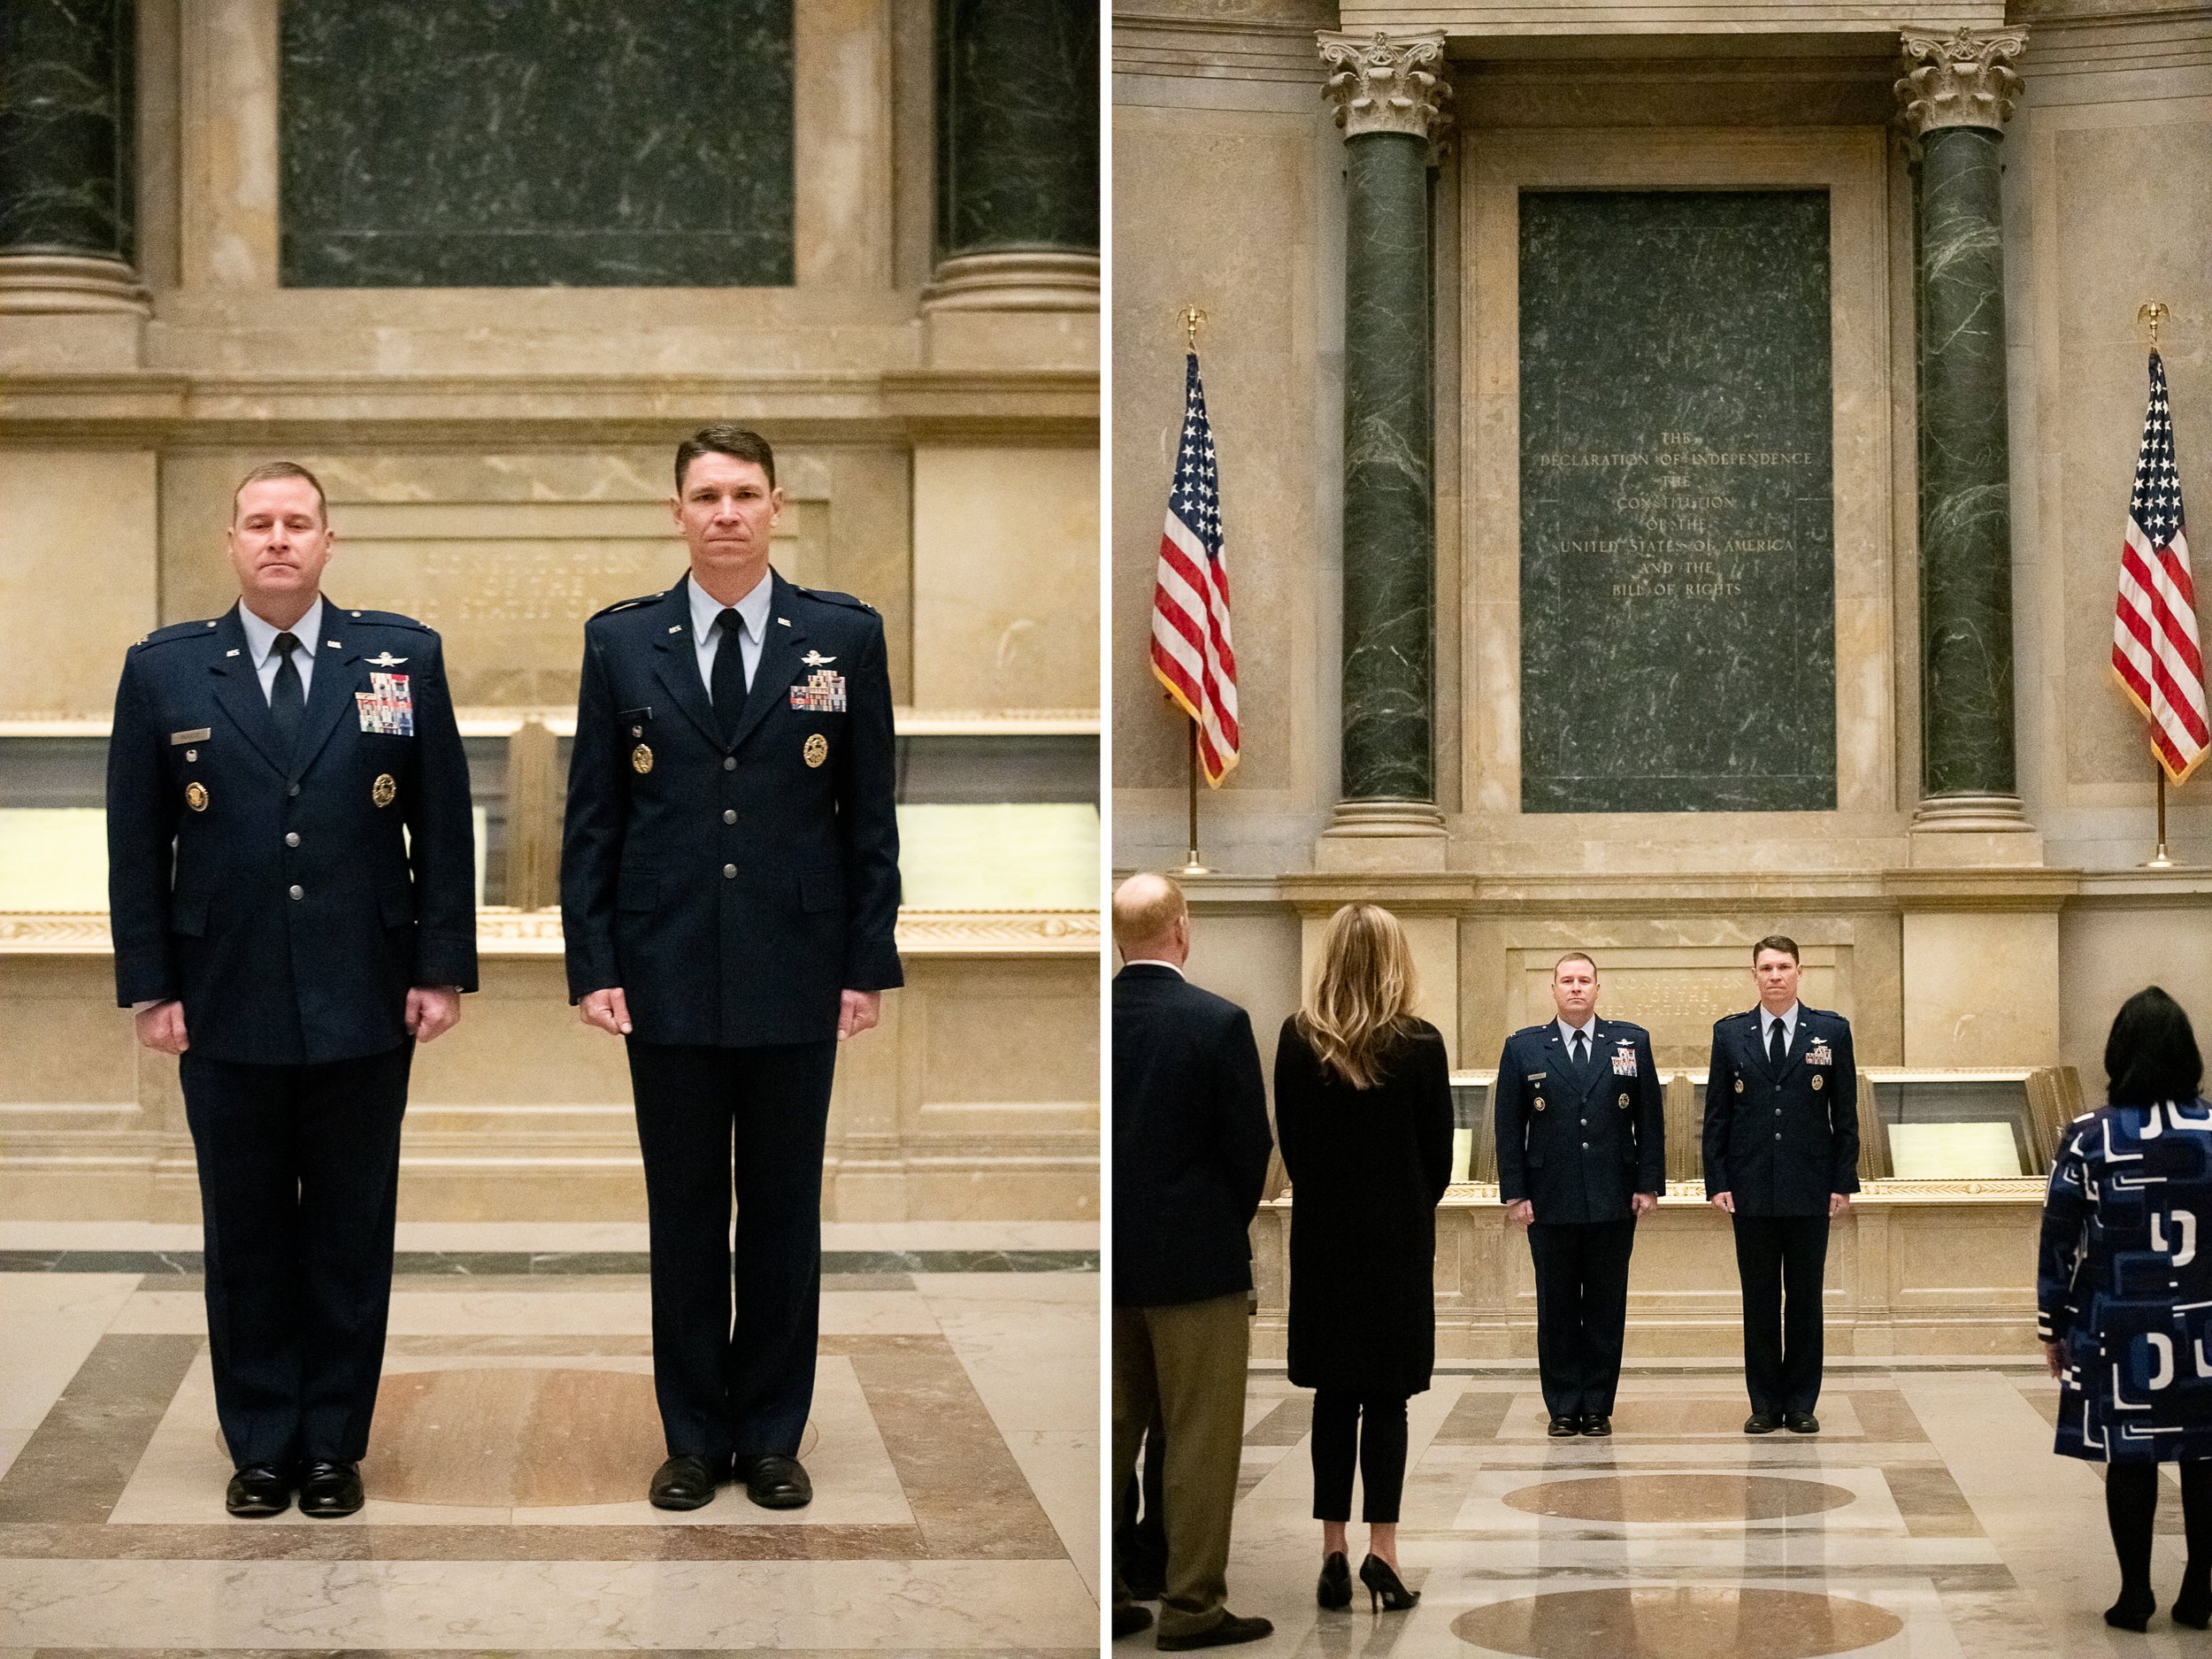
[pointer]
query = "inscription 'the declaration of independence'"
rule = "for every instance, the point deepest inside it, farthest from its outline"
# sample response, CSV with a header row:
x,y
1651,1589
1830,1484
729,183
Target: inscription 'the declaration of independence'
x,y
1677,610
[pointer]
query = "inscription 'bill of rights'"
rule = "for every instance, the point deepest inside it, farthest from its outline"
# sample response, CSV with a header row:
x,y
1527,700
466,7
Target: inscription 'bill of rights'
x,y
1677,581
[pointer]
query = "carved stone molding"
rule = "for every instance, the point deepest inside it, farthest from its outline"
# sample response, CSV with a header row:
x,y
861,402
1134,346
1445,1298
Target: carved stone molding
x,y
47,283
1385,83
1965,79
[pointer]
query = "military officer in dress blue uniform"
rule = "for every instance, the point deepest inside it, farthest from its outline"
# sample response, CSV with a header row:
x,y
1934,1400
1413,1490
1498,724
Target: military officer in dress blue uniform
x,y
1582,1155
291,876
1782,1158
729,891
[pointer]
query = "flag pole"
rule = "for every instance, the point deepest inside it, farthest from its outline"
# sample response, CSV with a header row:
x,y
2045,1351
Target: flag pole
x,y
2154,313
1191,317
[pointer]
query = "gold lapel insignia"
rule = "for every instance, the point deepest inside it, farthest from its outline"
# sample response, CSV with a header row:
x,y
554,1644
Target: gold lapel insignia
x,y
817,749
1622,1102
195,796
640,760
384,791
1818,1079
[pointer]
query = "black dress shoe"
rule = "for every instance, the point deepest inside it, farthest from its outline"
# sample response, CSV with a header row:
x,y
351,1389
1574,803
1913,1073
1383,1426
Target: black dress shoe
x,y
1564,1428
1226,1633
685,1482
775,1482
1334,1588
258,1489
1800,1423
329,1489
1129,1618
1597,1425
1762,1422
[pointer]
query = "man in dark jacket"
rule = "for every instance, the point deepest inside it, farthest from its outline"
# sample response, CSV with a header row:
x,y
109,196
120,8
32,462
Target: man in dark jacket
x,y
291,876
1782,1158
1581,1156
1190,1159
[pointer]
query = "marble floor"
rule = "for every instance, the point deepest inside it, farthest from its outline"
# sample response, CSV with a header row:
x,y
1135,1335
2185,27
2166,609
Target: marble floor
x,y
1929,1519
954,1450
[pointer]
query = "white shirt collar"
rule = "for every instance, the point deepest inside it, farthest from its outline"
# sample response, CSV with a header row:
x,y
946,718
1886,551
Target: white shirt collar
x,y
752,610
1154,962
1589,1028
261,636
1788,1017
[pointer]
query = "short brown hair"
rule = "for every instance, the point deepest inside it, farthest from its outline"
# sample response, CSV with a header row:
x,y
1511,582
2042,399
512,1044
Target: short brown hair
x,y
1143,916
740,443
1574,955
269,470
1776,942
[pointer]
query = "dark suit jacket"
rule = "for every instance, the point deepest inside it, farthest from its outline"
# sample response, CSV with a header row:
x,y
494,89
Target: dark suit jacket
x,y
1367,1167
1579,1151
732,888
1190,1140
202,897
1782,1143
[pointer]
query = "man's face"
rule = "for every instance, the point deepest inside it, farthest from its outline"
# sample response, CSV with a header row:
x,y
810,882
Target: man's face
x,y
727,511
1777,973
279,542
1574,988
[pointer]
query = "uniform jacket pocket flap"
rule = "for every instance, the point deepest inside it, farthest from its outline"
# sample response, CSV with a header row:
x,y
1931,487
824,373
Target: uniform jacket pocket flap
x,y
396,900
188,915
637,893
821,890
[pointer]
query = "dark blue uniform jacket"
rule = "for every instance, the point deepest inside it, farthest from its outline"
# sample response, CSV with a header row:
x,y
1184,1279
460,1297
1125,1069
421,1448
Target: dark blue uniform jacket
x,y
289,900
732,889
1782,1141
1579,1151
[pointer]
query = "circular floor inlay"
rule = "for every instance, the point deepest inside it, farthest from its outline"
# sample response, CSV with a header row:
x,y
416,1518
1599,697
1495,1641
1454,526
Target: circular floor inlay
x,y
529,1437
1677,1622
1680,1498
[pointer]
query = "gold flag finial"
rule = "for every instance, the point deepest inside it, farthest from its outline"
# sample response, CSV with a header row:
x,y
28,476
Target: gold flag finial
x,y
2154,313
1191,318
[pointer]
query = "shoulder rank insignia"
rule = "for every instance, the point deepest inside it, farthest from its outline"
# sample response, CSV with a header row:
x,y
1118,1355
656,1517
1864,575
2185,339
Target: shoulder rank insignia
x,y
385,659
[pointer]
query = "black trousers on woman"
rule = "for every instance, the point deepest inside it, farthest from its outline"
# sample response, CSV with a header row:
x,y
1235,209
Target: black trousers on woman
x,y
1369,1429
2131,1503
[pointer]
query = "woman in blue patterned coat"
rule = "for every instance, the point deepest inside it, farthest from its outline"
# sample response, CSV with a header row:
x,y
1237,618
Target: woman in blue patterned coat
x,y
2123,1296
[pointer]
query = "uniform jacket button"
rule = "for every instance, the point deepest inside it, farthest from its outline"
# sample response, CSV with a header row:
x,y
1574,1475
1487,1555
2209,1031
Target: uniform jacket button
x,y
729,763
294,790
299,892
291,838
729,815
729,872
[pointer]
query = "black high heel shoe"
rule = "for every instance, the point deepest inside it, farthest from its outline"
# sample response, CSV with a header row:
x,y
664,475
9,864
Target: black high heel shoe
x,y
1335,1589
2193,1606
1386,1592
2133,1611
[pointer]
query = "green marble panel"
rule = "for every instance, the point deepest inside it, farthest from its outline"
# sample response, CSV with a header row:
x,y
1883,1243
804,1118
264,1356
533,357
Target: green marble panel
x,y
65,126
1017,126
1677,581
525,143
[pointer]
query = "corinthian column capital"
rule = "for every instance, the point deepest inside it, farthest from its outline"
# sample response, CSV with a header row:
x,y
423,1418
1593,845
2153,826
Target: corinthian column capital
x,y
1963,80
1384,82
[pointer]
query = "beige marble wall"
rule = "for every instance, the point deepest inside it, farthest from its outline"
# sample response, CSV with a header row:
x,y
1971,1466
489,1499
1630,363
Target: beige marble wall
x,y
1981,988
2122,937
1005,607
78,577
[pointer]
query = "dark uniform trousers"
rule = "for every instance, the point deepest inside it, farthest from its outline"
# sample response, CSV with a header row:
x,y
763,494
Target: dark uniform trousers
x,y
1578,1142
1781,1140
289,895
733,883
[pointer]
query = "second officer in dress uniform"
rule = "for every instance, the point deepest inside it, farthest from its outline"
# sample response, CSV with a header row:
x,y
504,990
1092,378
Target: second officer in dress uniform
x,y
1581,1156
730,892
291,875
1782,1158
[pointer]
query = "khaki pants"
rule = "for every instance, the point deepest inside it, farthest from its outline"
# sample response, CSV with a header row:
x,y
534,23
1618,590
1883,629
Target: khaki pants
x,y
1189,1360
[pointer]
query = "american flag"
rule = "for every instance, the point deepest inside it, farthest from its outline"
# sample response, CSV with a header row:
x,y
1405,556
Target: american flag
x,y
2155,648
1190,655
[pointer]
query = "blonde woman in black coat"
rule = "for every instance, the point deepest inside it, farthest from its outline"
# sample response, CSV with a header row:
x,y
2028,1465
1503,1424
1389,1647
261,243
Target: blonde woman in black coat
x,y
1363,1114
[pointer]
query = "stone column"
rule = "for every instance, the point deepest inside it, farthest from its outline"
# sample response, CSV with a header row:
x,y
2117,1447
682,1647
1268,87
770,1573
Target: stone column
x,y
1956,103
1389,103
65,176
1017,156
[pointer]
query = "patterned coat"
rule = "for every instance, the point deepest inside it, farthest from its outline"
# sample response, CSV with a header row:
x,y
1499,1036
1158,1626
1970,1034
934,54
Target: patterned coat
x,y
2125,1279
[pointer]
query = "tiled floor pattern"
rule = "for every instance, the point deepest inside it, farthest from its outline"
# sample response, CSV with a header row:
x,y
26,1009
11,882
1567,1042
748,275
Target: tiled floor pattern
x,y
1929,1519
954,1450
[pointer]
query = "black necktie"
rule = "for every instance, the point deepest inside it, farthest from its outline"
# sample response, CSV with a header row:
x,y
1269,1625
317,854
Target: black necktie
x,y
287,702
1778,1049
1582,1050
728,680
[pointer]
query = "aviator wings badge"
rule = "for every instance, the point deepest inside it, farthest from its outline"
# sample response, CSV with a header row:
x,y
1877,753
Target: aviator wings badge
x,y
385,659
814,659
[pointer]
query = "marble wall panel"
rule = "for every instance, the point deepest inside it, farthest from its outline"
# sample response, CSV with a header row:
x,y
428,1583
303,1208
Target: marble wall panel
x,y
78,523
66,103
544,143
1005,613
1982,988
2108,952
227,145
507,554
1678,610
842,221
